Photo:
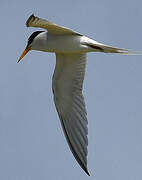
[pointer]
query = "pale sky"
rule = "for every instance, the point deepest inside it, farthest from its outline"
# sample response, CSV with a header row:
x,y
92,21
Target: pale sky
x,y
32,144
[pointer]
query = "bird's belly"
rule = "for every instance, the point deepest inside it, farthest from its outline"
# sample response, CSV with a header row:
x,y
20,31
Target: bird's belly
x,y
63,44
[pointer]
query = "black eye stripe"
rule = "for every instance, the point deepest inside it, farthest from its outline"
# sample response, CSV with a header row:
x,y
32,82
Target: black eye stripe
x,y
31,38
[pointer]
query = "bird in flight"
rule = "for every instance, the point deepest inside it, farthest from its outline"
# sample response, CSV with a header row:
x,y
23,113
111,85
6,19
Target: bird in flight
x,y
70,48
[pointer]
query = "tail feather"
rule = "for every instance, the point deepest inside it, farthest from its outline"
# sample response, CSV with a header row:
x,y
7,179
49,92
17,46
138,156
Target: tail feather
x,y
109,49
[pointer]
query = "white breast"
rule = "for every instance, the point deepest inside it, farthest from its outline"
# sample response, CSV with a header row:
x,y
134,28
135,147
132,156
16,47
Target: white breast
x,y
58,43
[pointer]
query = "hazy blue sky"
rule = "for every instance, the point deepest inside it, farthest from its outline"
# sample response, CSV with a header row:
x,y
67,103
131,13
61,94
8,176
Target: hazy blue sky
x,y
32,144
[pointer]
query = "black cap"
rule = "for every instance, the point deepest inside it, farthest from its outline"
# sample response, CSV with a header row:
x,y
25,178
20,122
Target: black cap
x,y
31,38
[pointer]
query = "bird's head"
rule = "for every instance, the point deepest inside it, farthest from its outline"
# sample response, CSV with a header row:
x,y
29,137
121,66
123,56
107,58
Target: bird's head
x,y
30,43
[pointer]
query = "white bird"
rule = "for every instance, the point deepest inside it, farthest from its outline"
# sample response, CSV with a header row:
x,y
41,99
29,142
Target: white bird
x,y
70,48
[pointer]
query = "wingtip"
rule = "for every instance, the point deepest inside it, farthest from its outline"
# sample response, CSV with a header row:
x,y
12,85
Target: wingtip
x,y
32,17
86,170
87,173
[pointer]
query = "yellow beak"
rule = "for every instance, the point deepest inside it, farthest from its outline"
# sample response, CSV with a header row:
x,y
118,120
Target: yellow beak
x,y
24,53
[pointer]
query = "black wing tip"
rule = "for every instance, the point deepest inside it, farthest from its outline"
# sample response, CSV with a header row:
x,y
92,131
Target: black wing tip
x,y
85,169
87,172
32,17
82,165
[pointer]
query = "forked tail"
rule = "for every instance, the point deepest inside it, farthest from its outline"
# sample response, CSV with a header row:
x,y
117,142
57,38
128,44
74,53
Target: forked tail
x,y
109,49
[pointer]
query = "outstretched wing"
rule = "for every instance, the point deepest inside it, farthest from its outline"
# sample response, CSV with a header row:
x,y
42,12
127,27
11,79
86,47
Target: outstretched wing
x,y
34,21
67,89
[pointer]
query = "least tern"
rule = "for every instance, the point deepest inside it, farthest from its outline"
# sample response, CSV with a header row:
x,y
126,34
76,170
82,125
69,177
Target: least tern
x,y
70,48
